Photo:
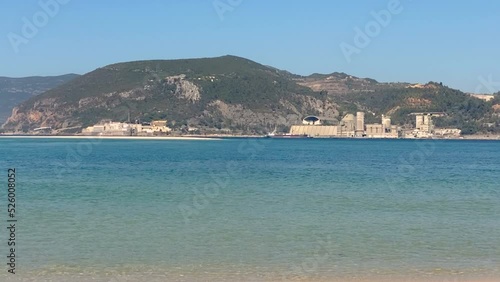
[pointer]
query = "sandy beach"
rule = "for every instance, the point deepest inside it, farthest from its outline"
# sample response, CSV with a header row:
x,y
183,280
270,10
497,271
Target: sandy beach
x,y
160,277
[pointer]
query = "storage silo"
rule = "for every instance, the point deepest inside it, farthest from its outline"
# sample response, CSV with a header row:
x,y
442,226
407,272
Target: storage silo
x,y
360,123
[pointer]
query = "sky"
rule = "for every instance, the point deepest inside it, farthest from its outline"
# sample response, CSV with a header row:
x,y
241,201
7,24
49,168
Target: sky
x,y
453,42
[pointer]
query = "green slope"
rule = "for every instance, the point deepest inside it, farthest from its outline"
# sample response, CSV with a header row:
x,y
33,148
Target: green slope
x,y
230,79
14,91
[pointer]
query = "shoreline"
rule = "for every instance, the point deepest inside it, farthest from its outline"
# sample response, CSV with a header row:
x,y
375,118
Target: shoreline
x,y
229,136
165,138
176,274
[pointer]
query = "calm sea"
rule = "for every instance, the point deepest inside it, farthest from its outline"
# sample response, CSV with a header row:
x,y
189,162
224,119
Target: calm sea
x,y
252,209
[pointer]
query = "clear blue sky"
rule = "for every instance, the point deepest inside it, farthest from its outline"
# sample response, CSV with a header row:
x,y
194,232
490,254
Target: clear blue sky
x,y
454,42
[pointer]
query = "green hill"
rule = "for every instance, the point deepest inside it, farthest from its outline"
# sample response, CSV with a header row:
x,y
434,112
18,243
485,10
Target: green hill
x,y
213,93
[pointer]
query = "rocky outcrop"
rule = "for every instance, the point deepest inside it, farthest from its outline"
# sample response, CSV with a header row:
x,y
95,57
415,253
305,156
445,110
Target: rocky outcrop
x,y
325,109
184,88
39,116
292,112
14,91
59,114
238,116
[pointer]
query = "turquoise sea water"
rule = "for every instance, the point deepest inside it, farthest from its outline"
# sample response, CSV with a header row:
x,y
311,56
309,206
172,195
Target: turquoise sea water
x,y
252,209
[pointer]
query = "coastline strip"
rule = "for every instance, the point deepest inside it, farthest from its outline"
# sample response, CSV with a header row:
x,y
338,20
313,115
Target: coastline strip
x,y
166,138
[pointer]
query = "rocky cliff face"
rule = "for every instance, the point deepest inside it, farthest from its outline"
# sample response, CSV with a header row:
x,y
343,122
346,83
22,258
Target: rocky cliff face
x,y
291,113
45,113
184,89
14,91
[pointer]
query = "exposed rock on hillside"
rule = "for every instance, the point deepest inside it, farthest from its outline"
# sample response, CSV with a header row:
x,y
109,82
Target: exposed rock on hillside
x,y
211,94
14,91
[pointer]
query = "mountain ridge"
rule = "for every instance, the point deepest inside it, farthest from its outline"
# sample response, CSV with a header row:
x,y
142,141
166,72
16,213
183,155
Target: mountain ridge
x,y
238,94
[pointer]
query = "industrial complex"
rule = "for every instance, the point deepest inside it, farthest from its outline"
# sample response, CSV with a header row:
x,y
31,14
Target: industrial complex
x,y
353,126
350,126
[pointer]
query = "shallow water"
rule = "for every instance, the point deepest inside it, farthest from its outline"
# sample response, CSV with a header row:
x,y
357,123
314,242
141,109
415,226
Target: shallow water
x,y
254,209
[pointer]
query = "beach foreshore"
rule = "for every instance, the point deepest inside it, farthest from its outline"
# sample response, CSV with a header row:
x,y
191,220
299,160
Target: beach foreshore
x,y
153,273
80,277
